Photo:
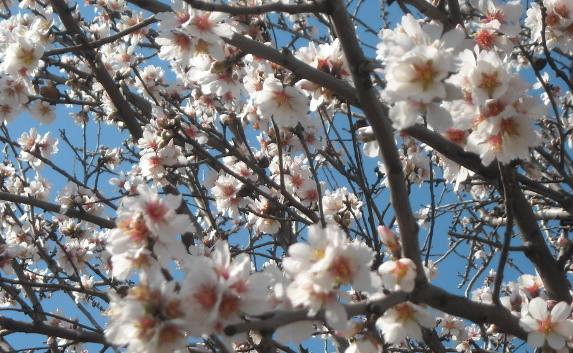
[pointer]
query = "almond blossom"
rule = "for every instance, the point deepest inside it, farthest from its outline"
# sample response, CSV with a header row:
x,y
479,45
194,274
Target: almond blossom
x,y
150,318
559,16
399,274
546,327
404,320
219,289
34,145
285,104
502,17
146,221
212,192
22,56
318,268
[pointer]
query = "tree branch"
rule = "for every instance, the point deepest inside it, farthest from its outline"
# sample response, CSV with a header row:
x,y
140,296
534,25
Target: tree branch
x,y
52,331
377,116
102,222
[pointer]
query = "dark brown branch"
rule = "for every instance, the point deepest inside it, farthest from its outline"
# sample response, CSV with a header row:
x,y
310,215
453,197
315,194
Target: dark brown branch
x,y
318,6
280,318
102,222
127,114
299,68
507,182
52,331
430,10
470,310
377,116
98,43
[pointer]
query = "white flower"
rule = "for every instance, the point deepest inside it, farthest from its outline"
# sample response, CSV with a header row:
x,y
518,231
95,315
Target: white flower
x,y
176,46
453,326
219,289
341,206
160,214
226,193
489,79
146,222
320,267
150,319
33,144
389,239
404,320
363,346
399,274
42,111
371,147
286,104
419,75
209,26
22,56
502,17
530,284
331,259
304,292
547,327
505,137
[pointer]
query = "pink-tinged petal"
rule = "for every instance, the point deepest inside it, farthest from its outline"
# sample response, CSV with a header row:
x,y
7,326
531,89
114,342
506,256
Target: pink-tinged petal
x,y
555,340
424,318
371,149
412,330
536,339
363,280
411,26
528,323
560,311
295,332
564,328
393,333
336,316
538,309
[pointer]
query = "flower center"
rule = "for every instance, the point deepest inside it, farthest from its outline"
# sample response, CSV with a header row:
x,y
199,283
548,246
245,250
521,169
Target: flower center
x,y
424,74
546,326
509,127
203,23
156,211
229,305
496,142
27,56
400,270
341,269
485,39
207,297
489,82
182,41
282,98
456,135
135,228
170,333
404,312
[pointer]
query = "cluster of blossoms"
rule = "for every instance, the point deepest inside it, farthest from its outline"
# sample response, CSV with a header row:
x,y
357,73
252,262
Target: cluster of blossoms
x,y
318,269
147,233
462,83
471,95
556,17
157,316
547,322
23,41
221,289
34,145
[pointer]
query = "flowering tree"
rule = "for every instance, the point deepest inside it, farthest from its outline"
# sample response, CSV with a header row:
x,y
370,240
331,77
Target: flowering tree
x,y
396,178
